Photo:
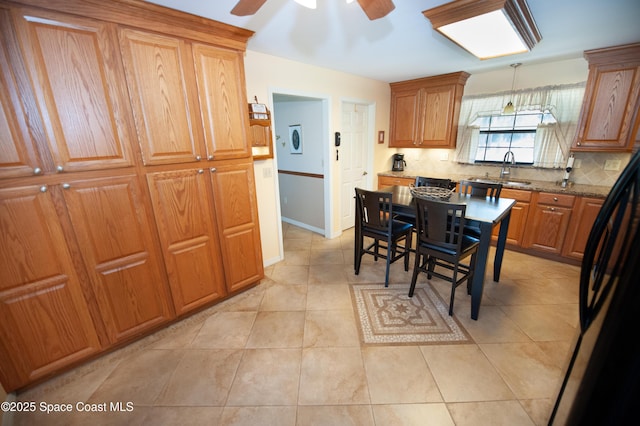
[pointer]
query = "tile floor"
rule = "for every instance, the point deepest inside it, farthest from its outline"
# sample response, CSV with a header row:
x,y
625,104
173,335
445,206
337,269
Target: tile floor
x,y
287,352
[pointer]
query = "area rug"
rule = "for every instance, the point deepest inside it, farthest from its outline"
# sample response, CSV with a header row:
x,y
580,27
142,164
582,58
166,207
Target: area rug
x,y
387,316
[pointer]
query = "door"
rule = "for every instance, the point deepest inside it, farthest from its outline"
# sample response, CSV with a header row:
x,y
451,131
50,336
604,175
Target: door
x,y
77,79
113,229
44,320
353,157
186,224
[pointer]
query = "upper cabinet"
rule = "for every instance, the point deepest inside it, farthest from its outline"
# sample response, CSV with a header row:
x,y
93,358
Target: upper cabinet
x,y
609,113
425,111
76,71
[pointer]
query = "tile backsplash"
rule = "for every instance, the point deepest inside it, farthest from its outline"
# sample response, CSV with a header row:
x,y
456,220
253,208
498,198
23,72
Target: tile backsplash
x,y
590,172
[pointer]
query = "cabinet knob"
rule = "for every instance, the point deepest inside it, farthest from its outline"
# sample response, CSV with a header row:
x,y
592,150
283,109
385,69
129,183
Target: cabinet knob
x,y
37,171
198,158
553,209
43,188
60,169
555,198
578,144
66,186
212,170
210,157
200,171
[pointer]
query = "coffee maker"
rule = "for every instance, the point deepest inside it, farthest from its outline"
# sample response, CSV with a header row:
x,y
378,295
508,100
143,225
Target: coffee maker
x,y
398,163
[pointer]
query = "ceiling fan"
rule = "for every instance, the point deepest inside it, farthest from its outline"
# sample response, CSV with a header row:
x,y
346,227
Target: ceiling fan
x,y
374,9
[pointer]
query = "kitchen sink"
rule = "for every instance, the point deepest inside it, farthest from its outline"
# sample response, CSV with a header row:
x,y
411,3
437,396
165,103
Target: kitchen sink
x,y
506,182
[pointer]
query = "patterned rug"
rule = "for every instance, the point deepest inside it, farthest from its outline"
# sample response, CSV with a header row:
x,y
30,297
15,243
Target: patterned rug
x,y
389,317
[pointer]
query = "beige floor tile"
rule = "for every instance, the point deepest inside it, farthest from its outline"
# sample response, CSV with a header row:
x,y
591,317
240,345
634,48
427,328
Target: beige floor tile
x,y
266,377
331,328
140,378
285,297
215,334
327,274
291,245
192,416
539,410
331,376
296,257
463,373
179,338
202,377
545,322
399,375
318,242
291,274
412,414
326,257
277,330
335,415
263,416
528,371
329,297
494,413
492,326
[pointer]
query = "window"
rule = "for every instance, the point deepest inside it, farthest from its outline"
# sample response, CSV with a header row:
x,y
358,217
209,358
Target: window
x,y
500,134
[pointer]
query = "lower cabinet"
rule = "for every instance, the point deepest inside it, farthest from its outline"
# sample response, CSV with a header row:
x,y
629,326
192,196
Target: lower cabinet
x,y
236,210
519,215
384,181
186,220
44,320
113,227
549,221
584,216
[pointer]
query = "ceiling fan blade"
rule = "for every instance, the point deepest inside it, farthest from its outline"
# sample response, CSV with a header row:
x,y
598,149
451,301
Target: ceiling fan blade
x,y
247,7
376,9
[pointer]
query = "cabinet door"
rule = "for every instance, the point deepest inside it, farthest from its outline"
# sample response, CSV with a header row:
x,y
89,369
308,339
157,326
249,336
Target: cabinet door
x,y
44,320
223,103
237,215
186,224
519,216
161,91
547,229
437,105
584,216
78,78
112,226
405,109
17,151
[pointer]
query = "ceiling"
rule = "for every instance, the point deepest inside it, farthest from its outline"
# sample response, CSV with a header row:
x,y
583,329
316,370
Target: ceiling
x,y
403,44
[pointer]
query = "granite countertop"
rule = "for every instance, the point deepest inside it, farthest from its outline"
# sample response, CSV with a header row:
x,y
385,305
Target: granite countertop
x,y
546,186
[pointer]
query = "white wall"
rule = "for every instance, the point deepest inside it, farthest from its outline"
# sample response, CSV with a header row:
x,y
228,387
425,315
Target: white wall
x,y
266,74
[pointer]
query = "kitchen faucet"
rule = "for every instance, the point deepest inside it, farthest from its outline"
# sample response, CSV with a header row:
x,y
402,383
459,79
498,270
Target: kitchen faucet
x,y
506,170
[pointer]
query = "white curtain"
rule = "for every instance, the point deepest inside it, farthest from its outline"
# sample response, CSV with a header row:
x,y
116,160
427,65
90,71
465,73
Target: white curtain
x,y
552,142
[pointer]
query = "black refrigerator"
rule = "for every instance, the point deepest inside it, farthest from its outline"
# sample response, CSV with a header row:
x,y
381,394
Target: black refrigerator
x,y
602,381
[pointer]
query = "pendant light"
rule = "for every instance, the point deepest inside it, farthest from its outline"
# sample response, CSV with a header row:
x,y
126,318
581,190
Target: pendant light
x,y
509,108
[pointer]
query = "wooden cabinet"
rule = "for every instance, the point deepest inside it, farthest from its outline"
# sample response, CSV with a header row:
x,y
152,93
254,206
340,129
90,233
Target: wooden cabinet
x,y
77,74
425,112
519,215
184,213
584,215
113,228
236,209
220,77
550,214
609,114
162,90
44,319
384,181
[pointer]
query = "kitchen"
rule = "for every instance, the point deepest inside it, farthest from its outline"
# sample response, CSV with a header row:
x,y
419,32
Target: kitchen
x,y
265,72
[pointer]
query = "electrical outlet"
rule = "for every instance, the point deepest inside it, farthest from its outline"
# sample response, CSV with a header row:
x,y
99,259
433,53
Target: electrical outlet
x,y
612,165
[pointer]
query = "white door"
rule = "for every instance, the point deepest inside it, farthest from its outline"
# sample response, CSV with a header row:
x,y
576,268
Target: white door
x,y
353,157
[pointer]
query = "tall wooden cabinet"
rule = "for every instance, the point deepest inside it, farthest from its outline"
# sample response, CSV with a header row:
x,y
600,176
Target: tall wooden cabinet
x,y
127,195
609,118
425,111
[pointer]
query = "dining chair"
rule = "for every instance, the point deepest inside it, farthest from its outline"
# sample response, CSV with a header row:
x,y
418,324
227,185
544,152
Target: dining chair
x,y
442,244
428,181
480,189
374,219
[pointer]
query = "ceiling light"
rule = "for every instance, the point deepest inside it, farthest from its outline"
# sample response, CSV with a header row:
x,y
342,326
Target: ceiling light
x,y
487,28
311,4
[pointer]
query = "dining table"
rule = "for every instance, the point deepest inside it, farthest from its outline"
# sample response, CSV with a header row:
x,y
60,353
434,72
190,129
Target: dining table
x,y
486,212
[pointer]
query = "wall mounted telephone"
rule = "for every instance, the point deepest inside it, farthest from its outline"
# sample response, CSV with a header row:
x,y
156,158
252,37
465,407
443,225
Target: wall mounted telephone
x,y
337,138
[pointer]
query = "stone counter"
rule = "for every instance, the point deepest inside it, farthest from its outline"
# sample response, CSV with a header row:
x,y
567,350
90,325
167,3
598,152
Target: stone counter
x,y
545,186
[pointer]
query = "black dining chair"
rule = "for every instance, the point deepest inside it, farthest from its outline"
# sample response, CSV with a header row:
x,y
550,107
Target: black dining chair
x,y
442,244
374,219
426,181
482,190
